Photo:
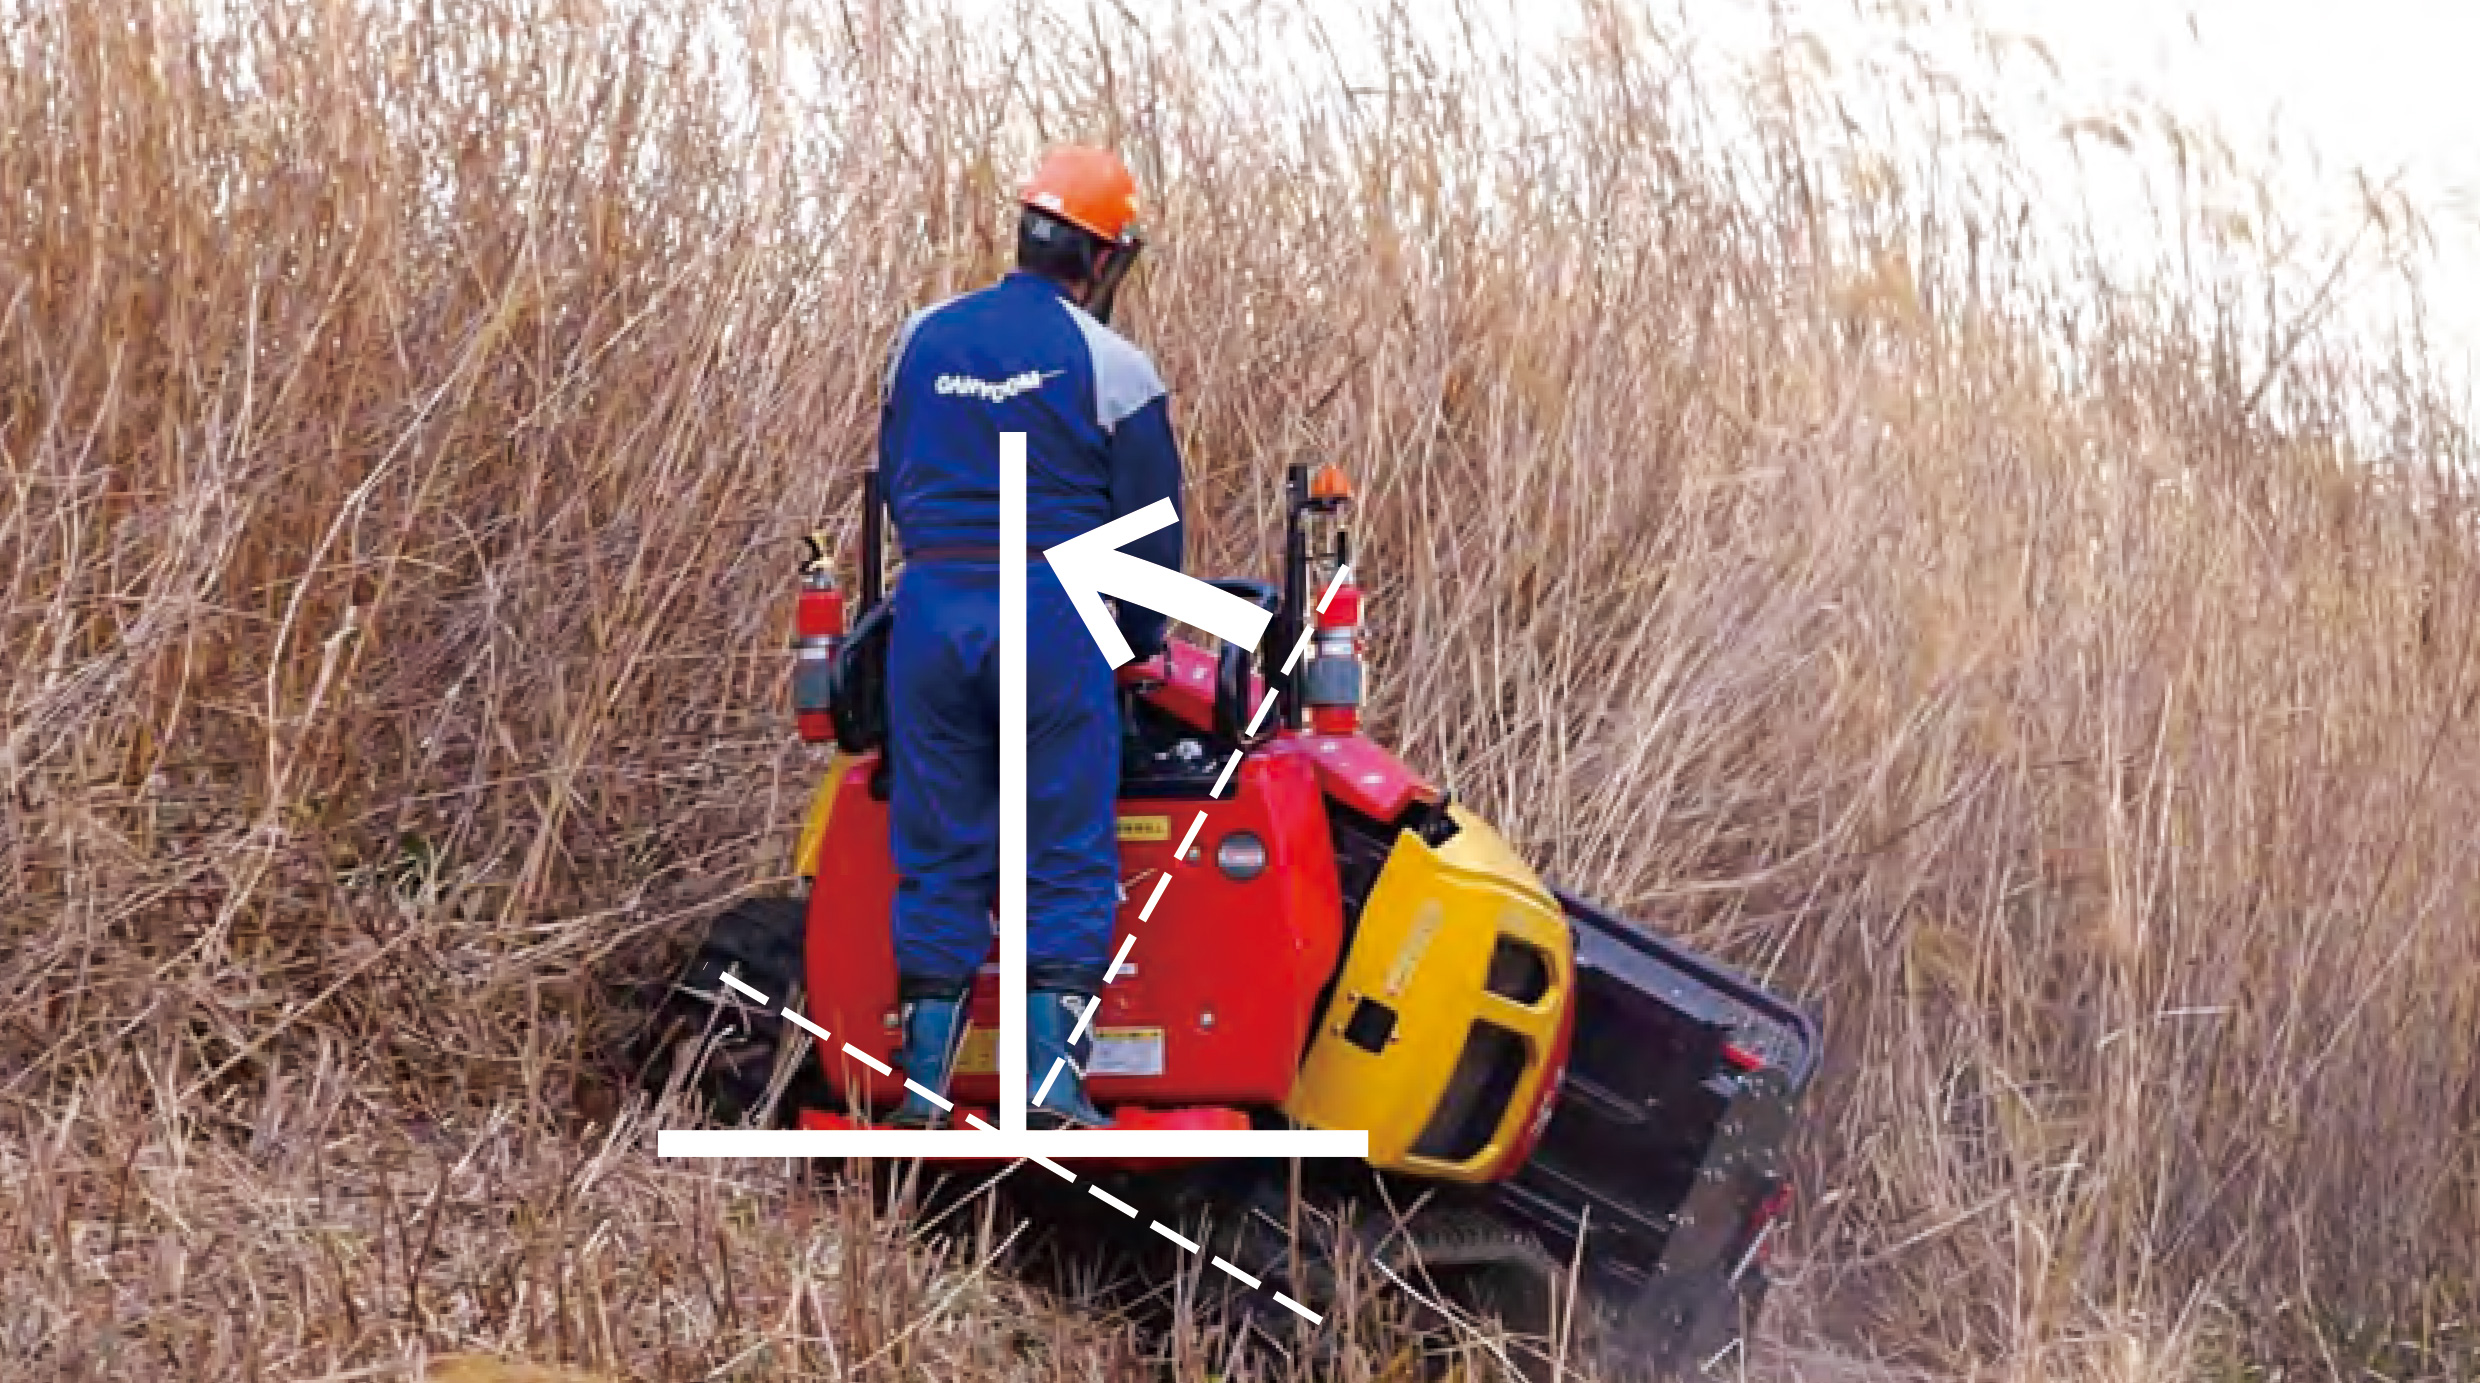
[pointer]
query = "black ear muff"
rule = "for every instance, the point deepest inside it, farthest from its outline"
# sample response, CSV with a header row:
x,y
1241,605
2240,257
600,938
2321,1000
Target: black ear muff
x,y
1231,698
1111,268
1232,671
857,696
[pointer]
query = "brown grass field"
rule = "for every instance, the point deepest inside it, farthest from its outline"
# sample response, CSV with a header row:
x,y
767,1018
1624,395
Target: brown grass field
x,y
407,410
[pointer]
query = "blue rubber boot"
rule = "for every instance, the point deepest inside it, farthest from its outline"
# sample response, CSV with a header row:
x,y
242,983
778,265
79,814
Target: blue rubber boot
x,y
933,1027
1058,1097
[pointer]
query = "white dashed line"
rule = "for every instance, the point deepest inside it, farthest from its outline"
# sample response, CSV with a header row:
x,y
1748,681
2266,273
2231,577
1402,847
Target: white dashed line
x,y
805,1025
1263,706
1333,584
1299,648
1093,1005
1064,1173
1174,1236
1254,1284
868,1060
1146,913
1131,939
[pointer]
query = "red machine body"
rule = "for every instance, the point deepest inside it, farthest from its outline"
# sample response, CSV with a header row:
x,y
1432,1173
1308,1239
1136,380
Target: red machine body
x,y
1226,973
1654,1111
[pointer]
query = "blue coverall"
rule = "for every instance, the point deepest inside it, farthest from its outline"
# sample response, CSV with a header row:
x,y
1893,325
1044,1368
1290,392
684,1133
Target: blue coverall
x,y
1018,356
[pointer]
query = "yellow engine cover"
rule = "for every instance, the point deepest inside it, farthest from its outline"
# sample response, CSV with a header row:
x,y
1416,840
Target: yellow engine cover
x,y
1462,959
821,810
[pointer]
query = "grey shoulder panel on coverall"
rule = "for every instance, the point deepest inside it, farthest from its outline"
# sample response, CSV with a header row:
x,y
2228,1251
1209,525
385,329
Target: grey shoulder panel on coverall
x,y
1125,379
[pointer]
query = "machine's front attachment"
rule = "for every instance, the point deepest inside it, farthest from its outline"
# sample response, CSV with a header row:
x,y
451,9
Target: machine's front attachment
x,y
1666,1145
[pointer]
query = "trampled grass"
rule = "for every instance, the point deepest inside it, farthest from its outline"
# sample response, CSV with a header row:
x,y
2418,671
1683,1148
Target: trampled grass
x,y
407,412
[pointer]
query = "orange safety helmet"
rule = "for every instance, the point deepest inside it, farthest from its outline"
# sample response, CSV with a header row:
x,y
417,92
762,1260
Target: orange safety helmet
x,y
1087,187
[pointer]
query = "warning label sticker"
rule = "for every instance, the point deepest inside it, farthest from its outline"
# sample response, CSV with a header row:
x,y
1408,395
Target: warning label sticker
x,y
1145,828
1127,1052
1117,1052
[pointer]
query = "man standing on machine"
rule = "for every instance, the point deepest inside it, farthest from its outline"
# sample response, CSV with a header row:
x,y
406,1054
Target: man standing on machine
x,y
1031,354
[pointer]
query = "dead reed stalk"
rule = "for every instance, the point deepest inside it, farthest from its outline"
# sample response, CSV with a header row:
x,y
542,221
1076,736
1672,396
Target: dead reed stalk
x,y
406,411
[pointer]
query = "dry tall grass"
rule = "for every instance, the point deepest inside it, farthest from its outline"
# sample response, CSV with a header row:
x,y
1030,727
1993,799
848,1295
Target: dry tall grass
x,y
406,410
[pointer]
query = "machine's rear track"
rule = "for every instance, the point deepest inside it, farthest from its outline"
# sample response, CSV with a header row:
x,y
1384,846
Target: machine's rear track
x,y
1384,1262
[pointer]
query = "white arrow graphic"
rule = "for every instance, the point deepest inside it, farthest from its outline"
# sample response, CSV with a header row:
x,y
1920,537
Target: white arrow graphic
x,y
1091,566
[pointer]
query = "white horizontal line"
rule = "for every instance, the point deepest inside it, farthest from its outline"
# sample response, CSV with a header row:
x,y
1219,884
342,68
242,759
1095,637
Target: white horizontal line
x,y
990,1143
1254,1284
735,981
929,1094
1174,1236
868,1060
1112,1201
1313,1317
807,1026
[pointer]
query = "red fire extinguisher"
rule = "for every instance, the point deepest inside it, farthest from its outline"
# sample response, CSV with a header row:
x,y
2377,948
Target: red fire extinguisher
x,y
818,631
1331,683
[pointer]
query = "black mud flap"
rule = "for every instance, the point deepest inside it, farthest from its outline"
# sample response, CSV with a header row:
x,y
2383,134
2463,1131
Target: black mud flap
x,y
728,1037
1664,1151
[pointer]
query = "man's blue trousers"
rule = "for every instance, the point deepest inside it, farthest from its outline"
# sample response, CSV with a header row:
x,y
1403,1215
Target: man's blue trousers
x,y
943,738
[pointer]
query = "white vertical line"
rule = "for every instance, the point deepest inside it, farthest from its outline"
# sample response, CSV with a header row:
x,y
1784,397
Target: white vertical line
x,y
1012,571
